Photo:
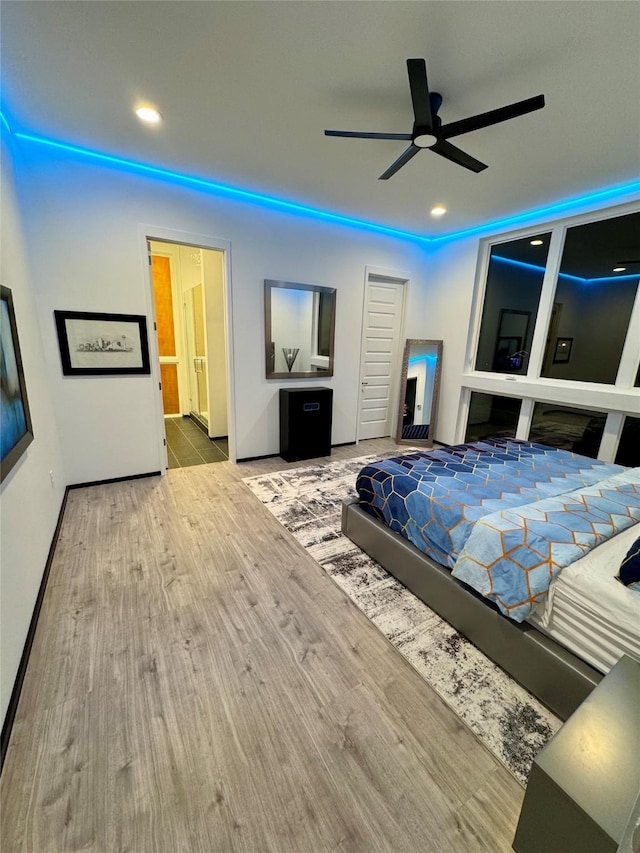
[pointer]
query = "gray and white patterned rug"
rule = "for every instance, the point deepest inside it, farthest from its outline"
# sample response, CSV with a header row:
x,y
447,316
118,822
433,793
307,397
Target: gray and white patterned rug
x,y
507,719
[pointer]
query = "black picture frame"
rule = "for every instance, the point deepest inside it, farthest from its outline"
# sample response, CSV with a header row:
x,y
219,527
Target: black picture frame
x,y
16,431
98,344
562,351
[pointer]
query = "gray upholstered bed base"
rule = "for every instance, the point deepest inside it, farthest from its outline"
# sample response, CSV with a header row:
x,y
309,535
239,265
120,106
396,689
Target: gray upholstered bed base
x,y
557,677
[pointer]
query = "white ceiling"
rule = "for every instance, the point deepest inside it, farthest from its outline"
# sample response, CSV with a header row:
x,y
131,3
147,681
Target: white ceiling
x,y
247,88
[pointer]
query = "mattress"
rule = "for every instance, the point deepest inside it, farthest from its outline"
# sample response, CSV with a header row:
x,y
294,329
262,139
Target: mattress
x,y
591,613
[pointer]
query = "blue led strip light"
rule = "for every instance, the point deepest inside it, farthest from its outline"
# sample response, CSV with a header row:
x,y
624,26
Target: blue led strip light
x,y
577,278
224,189
299,209
542,212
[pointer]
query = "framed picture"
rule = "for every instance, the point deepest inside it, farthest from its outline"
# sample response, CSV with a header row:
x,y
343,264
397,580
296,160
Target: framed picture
x,y
102,344
16,433
562,351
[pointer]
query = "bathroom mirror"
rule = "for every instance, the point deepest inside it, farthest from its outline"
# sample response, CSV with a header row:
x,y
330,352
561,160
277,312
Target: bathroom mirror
x,y
419,389
299,324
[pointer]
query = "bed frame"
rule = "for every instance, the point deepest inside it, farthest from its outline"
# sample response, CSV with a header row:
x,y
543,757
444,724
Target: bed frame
x,y
554,675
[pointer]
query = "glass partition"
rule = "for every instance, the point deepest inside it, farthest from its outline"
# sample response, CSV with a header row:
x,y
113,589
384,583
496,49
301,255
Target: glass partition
x,y
568,428
629,446
595,293
512,294
491,415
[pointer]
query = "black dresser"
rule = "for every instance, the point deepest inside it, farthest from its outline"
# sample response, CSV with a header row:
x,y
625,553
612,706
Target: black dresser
x,y
305,422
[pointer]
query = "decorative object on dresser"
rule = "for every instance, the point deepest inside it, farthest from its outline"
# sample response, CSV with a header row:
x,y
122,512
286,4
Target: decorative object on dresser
x,y
290,355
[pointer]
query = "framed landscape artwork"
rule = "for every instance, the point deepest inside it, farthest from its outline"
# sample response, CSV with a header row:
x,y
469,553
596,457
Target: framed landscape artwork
x,y
16,433
93,344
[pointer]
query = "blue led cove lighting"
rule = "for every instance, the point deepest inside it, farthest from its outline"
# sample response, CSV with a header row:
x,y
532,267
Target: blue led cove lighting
x,y
303,210
224,189
567,275
552,210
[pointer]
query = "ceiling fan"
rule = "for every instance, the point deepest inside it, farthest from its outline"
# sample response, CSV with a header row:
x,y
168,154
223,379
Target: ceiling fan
x,y
428,130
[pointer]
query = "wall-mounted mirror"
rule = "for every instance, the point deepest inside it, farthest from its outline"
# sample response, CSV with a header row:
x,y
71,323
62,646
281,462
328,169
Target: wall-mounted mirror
x,y
419,390
299,322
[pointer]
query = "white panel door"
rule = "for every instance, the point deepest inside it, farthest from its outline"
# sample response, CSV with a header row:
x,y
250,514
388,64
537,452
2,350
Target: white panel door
x,y
379,356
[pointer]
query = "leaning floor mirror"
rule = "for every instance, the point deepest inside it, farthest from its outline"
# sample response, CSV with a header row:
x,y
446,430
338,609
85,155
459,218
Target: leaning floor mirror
x,y
419,390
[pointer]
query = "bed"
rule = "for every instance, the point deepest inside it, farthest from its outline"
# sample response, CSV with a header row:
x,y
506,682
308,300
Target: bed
x,y
504,539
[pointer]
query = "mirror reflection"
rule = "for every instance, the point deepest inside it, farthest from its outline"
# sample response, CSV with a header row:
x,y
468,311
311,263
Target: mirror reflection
x,y
419,390
299,329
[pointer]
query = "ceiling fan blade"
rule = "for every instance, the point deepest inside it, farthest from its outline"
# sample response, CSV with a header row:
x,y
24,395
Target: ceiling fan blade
x,y
423,118
466,125
410,152
446,149
357,135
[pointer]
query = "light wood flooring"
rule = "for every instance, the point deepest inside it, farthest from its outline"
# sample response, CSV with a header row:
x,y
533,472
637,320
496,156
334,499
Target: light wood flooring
x,y
198,683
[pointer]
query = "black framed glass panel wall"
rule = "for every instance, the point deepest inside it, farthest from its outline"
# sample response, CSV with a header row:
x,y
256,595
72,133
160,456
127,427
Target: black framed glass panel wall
x,y
512,295
594,298
568,428
492,415
299,329
629,446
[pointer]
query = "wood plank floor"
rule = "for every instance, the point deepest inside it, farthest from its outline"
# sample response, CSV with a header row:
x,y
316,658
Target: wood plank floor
x,y
197,683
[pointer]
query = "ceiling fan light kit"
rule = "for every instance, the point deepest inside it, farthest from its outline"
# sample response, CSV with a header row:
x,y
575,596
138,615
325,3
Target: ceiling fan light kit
x,y
428,130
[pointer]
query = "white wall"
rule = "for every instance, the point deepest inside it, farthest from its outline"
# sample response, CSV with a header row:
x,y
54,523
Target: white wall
x,y
29,504
84,219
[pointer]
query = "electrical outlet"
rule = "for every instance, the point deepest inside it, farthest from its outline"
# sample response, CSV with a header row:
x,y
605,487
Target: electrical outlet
x,y
52,478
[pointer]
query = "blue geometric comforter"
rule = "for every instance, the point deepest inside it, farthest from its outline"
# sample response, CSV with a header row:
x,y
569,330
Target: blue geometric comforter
x,y
512,555
435,499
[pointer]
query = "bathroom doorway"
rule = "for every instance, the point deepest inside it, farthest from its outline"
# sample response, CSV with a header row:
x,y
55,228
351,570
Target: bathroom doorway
x,y
189,294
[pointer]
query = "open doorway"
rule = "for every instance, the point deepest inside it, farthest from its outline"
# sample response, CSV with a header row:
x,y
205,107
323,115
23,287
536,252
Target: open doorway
x,y
189,300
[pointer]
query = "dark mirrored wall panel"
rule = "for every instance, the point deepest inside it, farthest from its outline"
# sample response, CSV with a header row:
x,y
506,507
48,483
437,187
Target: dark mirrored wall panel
x,y
629,447
491,416
567,428
595,292
512,294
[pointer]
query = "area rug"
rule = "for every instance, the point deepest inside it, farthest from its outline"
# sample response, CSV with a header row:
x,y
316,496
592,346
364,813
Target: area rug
x,y
507,719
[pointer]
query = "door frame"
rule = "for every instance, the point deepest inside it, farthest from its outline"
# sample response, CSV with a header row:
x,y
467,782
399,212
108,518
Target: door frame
x,y
171,235
397,277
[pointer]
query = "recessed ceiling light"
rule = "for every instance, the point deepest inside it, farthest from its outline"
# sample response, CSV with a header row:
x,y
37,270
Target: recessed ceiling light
x,y
536,242
148,114
619,269
438,210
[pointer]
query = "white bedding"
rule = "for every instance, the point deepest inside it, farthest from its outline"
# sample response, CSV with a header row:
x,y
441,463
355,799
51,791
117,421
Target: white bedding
x,y
590,612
